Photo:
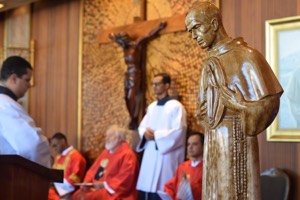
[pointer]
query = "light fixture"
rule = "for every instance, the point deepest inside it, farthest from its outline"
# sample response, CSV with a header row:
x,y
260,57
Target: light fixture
x,y
1,5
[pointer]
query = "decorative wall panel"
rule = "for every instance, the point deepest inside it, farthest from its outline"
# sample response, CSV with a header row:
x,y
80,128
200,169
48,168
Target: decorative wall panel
x,y
103,66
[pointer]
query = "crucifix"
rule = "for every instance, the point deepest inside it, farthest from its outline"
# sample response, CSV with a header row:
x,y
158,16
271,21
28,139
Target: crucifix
x,y
133,39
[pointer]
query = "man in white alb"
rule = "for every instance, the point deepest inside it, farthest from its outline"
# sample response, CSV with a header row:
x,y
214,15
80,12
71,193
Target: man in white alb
x,y
18,133
163,135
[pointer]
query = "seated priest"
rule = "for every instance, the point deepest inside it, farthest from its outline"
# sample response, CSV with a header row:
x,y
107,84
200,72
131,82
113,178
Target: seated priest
x,y
187,182
114,173
71,161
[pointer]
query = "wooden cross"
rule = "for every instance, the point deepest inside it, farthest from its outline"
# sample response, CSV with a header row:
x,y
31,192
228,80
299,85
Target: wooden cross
x,y
142,27
174,24
140,30
135,75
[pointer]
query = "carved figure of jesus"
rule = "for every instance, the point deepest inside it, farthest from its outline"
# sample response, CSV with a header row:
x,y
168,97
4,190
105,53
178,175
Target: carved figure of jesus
x,y
134,55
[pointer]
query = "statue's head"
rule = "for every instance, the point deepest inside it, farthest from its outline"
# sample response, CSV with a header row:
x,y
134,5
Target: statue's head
x,y
204,21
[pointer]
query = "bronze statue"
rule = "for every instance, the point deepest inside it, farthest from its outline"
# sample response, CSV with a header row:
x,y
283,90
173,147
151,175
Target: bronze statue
x,y
238,99
135,54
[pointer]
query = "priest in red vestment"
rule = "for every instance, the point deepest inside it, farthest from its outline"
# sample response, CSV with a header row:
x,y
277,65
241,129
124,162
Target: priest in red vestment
x,y
187,182
114,173
71,161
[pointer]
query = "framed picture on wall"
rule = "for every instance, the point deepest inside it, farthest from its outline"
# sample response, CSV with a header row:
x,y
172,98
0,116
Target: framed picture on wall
x,y
283,55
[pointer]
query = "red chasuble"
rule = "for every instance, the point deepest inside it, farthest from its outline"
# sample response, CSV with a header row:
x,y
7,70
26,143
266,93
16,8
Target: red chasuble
x,y
119,170
73,164
194,175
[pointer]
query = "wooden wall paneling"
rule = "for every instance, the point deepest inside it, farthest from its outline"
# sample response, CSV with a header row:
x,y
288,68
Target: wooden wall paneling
x,y
56,71
72,83
38,95
56,30
228,16
73,32
298,7
251,24
47,66
2,26
237,18
2,22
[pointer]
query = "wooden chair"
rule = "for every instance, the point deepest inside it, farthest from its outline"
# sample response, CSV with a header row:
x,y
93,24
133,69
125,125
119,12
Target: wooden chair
x,y
275,184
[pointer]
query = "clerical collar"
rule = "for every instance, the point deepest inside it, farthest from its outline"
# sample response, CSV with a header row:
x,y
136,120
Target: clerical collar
x,y
194,163
226,45
67,150
8,92
161,102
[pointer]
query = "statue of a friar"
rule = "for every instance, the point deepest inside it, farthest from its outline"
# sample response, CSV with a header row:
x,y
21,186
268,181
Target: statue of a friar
x,y
238,99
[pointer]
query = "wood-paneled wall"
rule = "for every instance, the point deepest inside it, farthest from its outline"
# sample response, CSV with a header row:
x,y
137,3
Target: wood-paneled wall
x,y
53,100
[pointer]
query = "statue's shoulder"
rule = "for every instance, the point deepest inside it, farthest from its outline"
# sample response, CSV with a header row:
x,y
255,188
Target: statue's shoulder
x,y
240,48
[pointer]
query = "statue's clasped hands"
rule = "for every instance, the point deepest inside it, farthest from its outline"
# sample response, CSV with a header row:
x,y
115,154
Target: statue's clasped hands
x,y
233,100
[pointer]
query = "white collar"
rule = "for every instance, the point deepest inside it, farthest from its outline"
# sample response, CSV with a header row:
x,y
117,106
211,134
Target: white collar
x,y
67,150
194,163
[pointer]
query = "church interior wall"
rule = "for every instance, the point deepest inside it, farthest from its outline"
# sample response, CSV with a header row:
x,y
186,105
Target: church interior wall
x,y
79,81
103,66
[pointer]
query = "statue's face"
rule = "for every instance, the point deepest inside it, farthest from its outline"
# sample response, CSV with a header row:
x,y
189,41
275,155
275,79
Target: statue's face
x,y
201,28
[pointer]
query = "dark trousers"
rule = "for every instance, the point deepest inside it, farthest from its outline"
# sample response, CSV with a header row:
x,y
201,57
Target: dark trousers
x,y
148,196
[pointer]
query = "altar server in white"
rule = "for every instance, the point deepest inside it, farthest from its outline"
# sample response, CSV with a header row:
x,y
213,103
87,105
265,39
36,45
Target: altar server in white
x,y
163,136
18,133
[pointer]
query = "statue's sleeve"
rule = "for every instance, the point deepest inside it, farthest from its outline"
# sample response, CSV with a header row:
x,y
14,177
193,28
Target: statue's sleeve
x,y
260,114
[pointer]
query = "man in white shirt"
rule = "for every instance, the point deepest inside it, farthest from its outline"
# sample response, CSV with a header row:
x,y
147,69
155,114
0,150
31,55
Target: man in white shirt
x,y
163,136
18,133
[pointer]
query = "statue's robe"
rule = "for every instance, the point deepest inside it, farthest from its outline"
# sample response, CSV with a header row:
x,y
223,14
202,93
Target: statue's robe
x,y
231,157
